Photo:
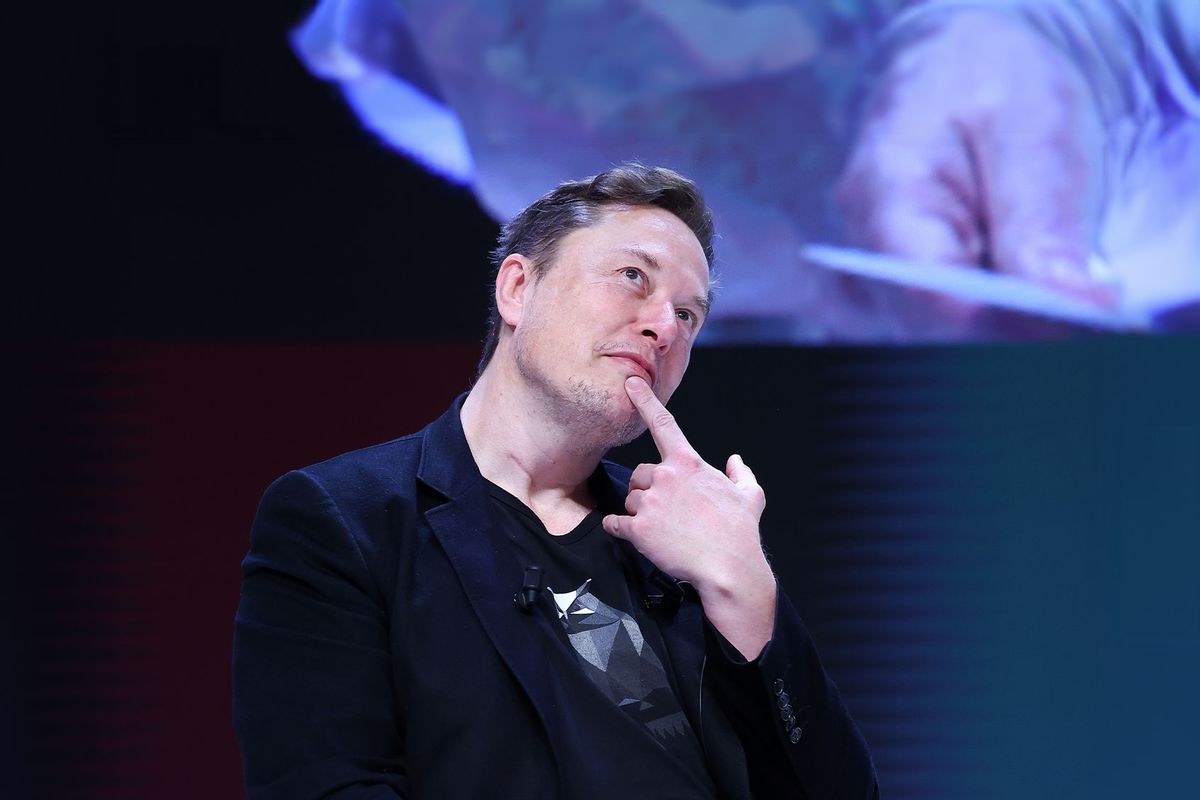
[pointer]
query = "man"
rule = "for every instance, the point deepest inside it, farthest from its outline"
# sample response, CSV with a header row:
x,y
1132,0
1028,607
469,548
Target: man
x,y
649,652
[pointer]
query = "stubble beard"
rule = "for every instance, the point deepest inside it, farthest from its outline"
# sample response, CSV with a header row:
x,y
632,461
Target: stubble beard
x,y
597,417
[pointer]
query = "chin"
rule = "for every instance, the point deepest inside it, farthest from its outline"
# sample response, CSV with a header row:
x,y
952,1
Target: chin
x,y
619,423
604,416
633,427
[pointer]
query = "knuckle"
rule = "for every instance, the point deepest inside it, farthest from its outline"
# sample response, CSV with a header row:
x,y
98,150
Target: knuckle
x,y
641,476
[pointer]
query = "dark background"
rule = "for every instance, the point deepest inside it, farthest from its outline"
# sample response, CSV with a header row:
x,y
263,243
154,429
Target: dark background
x,y
214,275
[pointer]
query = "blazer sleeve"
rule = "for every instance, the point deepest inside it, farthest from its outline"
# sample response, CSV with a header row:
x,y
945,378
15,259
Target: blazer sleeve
x,y
798,736
314,707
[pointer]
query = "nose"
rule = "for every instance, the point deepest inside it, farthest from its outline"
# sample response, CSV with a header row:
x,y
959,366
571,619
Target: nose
x,y
658,324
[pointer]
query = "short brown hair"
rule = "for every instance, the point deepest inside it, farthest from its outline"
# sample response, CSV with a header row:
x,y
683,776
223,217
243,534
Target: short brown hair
x,y
536,231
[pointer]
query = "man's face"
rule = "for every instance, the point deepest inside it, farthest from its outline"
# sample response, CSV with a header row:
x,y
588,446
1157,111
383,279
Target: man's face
x,y
625,296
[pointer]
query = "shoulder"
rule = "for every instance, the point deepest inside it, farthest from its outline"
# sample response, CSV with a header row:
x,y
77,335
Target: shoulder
x,y
352,478
353,485
340,516
397,466
369,466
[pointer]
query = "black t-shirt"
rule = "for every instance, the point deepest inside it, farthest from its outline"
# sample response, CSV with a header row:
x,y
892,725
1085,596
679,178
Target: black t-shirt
x,y
622,678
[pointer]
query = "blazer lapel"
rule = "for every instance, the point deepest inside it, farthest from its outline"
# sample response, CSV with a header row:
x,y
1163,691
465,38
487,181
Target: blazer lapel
x,y
484,561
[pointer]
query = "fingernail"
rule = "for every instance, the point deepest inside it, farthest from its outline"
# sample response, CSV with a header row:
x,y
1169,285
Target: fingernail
x,y
1084,281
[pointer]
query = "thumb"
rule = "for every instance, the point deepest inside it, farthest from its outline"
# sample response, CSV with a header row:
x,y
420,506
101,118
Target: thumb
x,y
616,525
1057,258
737,471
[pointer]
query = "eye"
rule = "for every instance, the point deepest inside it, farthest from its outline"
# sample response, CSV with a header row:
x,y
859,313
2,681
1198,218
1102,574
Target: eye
x,y
633,273
687,315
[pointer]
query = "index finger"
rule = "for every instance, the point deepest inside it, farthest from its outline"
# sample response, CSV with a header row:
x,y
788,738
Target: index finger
x,y
668,438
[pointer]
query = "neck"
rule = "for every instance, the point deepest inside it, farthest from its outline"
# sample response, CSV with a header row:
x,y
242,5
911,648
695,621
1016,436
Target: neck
x,y
521,446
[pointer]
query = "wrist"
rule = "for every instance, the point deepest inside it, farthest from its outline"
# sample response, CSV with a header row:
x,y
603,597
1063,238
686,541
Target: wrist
x,y
742,608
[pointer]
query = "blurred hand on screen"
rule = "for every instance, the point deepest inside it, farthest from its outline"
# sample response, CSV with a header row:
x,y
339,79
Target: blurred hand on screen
x,y
980,145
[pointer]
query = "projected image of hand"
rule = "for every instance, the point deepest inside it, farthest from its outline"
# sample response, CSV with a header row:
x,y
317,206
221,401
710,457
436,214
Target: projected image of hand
x,y
981,146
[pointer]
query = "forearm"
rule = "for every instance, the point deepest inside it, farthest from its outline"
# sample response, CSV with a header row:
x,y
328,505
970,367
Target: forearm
x,y
798,736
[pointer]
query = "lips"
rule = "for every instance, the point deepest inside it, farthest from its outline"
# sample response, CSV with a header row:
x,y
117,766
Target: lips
x,y
636,359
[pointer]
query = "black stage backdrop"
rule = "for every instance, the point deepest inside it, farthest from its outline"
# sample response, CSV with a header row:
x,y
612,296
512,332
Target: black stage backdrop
x,y
216,275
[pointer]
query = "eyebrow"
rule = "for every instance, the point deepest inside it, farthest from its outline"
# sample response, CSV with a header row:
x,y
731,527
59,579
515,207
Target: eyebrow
x,y
650,261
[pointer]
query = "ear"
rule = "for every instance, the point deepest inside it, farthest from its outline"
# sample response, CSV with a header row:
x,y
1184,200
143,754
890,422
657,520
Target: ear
x,y
513,280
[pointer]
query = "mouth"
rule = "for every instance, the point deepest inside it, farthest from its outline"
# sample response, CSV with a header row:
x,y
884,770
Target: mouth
x,y
642,367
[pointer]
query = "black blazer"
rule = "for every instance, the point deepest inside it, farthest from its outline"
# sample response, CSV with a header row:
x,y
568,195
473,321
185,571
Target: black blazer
x,y
378,653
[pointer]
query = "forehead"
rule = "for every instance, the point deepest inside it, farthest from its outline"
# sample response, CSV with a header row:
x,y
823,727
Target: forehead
x,y
636,234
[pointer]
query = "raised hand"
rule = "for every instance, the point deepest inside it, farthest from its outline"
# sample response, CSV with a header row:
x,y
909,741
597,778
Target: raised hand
x,y
700,525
